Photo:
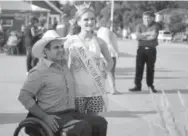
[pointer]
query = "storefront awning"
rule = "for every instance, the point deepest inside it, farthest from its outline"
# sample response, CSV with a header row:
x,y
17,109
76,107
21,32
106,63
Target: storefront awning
x,y
20,6
39,9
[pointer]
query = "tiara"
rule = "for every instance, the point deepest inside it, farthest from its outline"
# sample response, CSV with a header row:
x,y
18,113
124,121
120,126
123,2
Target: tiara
x,y
82,6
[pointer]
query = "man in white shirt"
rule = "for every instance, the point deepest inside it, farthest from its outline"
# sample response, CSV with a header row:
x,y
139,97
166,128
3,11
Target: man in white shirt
x,y
110,38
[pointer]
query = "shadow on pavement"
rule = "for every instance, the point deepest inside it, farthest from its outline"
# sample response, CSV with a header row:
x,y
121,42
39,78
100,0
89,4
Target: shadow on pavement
x,y
9,118
126,114
125,71
167,70
121,77
131,71
170,91
123,54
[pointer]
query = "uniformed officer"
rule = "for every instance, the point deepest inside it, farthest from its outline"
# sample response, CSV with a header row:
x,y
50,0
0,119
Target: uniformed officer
x,y
147,34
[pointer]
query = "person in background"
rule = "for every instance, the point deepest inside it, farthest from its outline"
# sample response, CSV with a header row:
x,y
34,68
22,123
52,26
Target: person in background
x,y
42,26
110,38
12,43
147,34
63,27
31,36
54,25
22,29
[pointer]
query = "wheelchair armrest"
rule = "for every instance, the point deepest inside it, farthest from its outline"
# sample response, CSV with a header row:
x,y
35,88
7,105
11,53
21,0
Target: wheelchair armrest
x,y
33,120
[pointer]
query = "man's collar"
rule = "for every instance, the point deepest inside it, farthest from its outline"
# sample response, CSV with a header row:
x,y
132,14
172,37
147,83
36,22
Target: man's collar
x,y
50,63
47,62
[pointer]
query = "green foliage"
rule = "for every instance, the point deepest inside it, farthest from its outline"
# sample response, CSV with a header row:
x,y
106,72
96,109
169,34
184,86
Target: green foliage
x,y
176,19
132,11
177,27
127,14
177,23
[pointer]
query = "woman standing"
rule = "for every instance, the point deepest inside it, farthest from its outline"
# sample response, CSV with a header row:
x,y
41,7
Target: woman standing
x,y
85,62
110,38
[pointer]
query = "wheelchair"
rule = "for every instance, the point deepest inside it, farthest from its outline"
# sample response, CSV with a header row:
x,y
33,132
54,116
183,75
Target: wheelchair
x,y
33,126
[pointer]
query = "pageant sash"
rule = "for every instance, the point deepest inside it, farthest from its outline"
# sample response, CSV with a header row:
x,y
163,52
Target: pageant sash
x,y
93,71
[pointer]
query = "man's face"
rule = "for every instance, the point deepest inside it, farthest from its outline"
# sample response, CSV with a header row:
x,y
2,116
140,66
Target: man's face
x,y
147,19
56,51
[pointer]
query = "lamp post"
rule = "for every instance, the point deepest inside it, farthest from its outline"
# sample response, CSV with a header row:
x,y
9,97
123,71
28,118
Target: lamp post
x,y
0,9
112,14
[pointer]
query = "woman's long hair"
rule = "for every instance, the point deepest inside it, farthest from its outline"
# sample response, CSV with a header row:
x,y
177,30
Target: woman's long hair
x,y
75,29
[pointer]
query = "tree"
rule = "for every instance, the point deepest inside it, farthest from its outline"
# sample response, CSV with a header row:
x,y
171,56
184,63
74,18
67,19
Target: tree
x,y
176,25
132,10
127,14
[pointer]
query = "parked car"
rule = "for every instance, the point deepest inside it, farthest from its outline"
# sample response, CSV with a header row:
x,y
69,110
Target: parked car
x,y
165,35
180,37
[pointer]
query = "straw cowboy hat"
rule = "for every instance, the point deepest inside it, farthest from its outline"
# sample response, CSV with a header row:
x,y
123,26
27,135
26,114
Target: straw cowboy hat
x,y
38,47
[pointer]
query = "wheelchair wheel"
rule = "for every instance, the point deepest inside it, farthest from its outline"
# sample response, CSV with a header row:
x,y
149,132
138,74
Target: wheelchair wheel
x,y
33,127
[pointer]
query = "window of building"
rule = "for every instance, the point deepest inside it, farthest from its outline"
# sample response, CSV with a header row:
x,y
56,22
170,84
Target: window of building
x,y
7,22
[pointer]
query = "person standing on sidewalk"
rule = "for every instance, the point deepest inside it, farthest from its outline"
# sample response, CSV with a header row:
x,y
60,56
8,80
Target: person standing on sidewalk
x,y
31,36
147,34
110,38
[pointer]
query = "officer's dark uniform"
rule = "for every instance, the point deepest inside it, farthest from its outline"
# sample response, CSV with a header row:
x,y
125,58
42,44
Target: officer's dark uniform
x,y
146,54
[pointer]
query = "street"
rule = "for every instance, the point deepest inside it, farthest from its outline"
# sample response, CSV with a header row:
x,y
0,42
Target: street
x,y
128,112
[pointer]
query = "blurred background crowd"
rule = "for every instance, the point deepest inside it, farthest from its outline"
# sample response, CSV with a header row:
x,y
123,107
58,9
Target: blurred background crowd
x,y
16,16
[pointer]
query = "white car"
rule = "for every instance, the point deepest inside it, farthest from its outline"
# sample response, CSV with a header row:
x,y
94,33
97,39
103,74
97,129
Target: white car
x,y
133,36
165,36
180,37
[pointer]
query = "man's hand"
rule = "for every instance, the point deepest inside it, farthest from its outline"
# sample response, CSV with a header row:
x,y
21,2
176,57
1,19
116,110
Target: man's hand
x,y
51,121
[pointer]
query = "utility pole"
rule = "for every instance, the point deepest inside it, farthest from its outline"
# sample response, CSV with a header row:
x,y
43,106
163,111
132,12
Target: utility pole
x,y
112,14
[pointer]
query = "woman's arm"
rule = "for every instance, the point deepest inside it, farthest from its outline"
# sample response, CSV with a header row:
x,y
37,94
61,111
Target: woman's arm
x,y
106,54
115,43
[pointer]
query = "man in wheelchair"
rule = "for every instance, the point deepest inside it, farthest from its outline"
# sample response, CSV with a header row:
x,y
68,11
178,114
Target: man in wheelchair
x,y
51,83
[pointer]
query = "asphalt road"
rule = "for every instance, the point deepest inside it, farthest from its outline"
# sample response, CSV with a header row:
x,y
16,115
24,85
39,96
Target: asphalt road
x,y
129,112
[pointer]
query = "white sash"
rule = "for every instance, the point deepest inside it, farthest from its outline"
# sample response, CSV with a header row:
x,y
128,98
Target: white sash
x,y
94,72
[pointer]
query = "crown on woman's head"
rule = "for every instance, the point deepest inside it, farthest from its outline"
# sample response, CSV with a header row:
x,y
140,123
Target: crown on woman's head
x,y
82,6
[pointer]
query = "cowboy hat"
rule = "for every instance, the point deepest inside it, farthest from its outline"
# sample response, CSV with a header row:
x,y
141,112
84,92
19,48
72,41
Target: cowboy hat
x,y
38,47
